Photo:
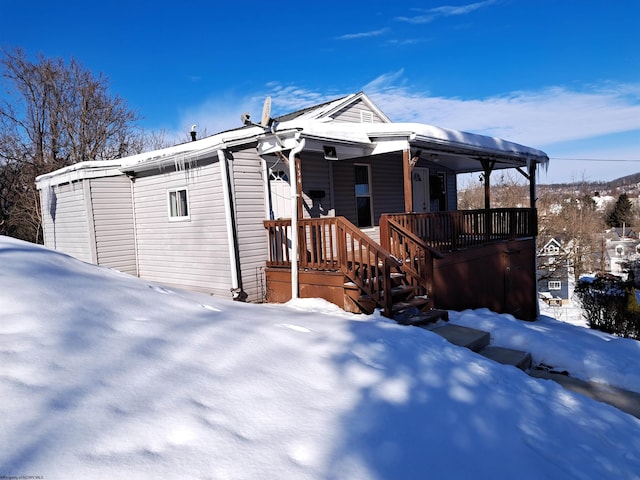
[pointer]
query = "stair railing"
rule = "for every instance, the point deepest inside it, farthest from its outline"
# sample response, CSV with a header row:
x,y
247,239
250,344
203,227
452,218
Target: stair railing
x,y
336,244
415,256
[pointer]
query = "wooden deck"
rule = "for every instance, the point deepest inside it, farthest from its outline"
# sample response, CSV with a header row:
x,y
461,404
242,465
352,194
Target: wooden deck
x,y
491,249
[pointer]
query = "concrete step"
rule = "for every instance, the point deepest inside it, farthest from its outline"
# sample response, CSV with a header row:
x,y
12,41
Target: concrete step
x,y
470,338
508,356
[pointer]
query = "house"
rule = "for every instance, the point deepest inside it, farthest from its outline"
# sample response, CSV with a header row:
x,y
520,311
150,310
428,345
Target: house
x,y
553,273
621,251
333,201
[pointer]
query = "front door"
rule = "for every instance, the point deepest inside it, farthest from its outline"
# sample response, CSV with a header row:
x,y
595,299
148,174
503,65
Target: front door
x,y
420,182
280,194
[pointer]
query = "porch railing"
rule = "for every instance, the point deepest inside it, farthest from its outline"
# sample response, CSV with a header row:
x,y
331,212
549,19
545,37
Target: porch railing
x,y
334,243
415,256
453,230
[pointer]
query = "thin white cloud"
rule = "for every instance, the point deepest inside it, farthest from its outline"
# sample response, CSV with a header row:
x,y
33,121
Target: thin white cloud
x,y
544,117
428,15
563,122
372,33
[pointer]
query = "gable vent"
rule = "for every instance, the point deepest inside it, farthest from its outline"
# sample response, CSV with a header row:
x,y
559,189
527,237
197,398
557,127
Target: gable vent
x,y
366,117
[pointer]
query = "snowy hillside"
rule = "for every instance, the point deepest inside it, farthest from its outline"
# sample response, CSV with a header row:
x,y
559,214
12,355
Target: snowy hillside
x,y
106,376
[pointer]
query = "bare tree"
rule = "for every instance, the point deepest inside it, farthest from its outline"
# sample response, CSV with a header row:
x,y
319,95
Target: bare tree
x,y
54,114
574,220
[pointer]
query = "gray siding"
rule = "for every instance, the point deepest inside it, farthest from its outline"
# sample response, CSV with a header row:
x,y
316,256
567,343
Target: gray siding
x,y
193,253
343,190
351,114
249,194
386,186
315,178
65,220
114,223
452,191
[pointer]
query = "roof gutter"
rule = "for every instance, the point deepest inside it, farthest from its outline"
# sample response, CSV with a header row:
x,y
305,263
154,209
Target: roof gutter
x,y
232,234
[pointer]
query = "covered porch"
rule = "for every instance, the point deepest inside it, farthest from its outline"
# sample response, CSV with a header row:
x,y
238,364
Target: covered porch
x,y
430,255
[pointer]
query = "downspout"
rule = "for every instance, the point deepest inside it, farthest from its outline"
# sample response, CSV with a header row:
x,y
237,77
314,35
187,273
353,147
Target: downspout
x,y
232,234
294,217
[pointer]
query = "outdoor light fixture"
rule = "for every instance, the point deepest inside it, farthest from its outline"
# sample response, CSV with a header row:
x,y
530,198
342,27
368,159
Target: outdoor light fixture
x,y
330,153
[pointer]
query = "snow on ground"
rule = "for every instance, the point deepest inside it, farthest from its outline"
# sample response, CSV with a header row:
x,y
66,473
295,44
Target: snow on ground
x,y
107,376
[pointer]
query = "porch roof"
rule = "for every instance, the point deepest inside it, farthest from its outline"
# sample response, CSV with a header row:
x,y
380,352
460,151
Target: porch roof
x,y
459,151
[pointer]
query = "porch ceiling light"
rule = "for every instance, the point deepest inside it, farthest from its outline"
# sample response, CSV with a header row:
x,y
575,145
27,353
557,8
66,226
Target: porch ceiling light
x,y
330,153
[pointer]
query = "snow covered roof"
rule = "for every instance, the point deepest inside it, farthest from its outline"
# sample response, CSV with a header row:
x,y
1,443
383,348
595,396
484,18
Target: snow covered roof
x,y
458,151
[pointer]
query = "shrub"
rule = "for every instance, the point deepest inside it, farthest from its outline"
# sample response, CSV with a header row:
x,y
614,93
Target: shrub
x,y
609,304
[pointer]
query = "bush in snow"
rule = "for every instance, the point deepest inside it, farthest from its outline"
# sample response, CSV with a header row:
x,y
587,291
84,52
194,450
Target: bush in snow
x,y
609,304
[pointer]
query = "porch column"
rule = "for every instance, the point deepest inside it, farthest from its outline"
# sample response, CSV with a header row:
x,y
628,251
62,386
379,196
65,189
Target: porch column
x,y
532,185
408,187
487,165
299,184
294,216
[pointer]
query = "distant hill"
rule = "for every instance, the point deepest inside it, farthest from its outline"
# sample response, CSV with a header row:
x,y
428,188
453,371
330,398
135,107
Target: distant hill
x,y
628,184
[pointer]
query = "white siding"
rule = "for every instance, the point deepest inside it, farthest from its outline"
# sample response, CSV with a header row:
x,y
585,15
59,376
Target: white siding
x,y
113,223
249,194
193,253
66,226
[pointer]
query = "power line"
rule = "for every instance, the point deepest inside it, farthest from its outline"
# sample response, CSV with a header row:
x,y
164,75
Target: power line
x,y
595,159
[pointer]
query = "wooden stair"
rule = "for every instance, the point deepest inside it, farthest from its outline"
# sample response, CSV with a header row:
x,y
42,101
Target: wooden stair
x,y
406,307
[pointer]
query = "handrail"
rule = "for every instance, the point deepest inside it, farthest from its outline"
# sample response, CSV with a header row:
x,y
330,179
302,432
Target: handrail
x,y
334,243
415,256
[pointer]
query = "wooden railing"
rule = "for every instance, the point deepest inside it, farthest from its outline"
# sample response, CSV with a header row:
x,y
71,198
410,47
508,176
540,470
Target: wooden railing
x,y
334,243
447,231
415,256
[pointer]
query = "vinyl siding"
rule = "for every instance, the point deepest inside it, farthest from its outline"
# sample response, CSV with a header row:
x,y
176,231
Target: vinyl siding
x,y
113,223
452,191
65,220
351,113
315,177
249,194
193,253
386,186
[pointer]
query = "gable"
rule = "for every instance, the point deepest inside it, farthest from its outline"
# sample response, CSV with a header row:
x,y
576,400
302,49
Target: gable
x,y
357,112
552,247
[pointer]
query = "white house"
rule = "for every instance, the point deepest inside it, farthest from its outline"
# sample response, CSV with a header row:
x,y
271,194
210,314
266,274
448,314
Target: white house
x,y
197,215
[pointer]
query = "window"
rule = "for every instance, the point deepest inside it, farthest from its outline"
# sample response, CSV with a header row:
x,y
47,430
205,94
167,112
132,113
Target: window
x,y
363,196
178,204
555,284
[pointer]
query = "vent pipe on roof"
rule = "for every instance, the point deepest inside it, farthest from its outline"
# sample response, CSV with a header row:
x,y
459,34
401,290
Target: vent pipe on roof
x,y
194,134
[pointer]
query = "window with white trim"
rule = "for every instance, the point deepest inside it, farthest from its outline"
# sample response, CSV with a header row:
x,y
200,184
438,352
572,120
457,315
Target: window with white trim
x,y
363,195
555,285
178,204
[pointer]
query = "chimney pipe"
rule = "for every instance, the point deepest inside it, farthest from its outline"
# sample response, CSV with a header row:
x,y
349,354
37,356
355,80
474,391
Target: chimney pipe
x,y
194,134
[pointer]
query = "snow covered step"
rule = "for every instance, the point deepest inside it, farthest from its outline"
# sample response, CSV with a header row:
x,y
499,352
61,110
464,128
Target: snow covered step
x,y
467,337
419,318
508,356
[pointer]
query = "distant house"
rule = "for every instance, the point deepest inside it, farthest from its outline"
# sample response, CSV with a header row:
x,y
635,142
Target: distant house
x,y
333,201
553,273
621,249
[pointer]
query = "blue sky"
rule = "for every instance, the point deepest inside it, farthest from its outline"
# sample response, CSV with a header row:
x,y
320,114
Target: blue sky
x,y
559,75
